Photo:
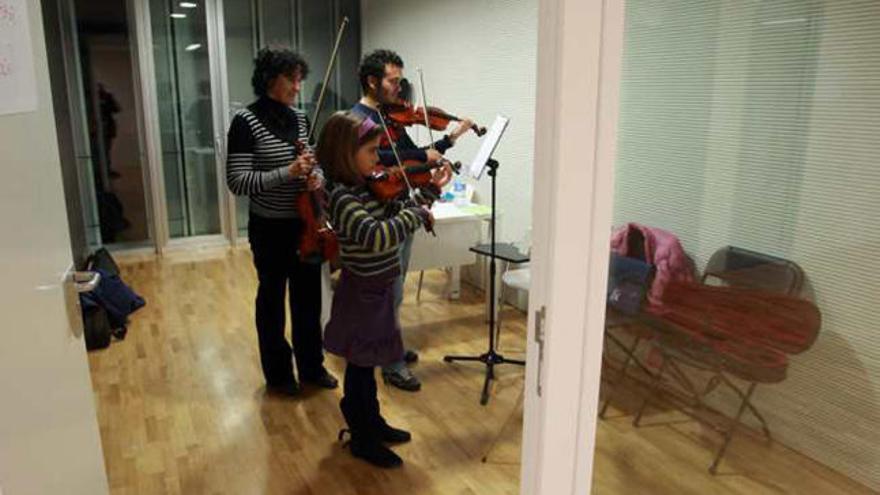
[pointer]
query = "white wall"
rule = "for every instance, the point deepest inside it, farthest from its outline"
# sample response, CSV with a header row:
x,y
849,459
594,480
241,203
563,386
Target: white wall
x,y
479,60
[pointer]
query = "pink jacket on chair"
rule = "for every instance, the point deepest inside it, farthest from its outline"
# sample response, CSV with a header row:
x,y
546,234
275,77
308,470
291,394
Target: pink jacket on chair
x,y
663,250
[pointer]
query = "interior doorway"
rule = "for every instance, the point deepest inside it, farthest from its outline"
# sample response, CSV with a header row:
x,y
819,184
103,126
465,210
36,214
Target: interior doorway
x,y
110,151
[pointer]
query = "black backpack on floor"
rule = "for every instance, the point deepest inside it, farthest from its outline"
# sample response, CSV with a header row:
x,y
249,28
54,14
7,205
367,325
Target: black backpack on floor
x,y
96,326
106,308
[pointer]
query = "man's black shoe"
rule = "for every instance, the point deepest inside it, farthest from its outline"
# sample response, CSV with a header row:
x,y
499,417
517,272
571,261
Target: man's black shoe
x,y
410,356
402,379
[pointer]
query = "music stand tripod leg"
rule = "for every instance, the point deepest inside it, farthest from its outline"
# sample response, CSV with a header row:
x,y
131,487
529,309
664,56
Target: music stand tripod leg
x,y
489,358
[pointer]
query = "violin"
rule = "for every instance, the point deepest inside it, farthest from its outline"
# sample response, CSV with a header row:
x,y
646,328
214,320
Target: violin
x,y
405,114
318,241
394,187
390,184
402,113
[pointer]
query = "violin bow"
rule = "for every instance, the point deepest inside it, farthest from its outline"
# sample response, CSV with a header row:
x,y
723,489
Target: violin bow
x,y
477,129
327,74
425,106
412,194
427,123
320,102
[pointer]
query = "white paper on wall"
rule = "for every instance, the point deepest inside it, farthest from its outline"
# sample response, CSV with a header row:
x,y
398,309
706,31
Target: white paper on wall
x,y
18,91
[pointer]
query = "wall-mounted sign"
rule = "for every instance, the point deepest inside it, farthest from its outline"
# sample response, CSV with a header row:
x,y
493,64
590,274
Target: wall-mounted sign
x,y
18,90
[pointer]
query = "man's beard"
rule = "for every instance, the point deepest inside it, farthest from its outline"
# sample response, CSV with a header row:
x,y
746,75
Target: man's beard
x,y
385,99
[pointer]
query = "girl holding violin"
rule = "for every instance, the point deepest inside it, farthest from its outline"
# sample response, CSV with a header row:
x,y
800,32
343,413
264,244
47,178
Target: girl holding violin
x,y
381,75
267,162
363,326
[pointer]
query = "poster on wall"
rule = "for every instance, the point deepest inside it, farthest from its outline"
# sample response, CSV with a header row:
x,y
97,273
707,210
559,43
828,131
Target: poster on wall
x,y
18,89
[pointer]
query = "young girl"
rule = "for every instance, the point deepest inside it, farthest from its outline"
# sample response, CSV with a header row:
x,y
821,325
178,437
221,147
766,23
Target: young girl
x,y
363,328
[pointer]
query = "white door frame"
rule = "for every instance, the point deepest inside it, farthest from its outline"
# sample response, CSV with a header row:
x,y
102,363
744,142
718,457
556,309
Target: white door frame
x,y
220,107
222,121
579,53
152,134
139,81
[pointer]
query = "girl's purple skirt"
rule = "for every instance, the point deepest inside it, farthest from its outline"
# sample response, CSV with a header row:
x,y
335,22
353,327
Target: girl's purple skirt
x,y
363,328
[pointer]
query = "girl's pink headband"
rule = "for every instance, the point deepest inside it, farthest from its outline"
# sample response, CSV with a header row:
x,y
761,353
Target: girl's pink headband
x,y
366,127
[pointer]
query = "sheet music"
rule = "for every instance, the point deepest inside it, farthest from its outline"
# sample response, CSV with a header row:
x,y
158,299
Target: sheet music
x,y
490,142
18,86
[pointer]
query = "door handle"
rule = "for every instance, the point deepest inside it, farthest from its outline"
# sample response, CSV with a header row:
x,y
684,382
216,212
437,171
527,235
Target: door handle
x,y
85,281
76,283
540,317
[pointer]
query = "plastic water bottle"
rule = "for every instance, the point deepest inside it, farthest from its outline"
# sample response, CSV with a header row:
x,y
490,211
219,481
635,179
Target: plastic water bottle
x,y
459,192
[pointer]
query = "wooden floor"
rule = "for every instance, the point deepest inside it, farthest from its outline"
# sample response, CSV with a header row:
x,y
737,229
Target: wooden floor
x,y
182,409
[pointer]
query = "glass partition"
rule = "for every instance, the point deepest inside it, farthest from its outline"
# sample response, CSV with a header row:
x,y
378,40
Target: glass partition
x,y
741,332
183,84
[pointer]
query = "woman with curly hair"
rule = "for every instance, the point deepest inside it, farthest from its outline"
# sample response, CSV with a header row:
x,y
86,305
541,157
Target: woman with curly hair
x,y
263,163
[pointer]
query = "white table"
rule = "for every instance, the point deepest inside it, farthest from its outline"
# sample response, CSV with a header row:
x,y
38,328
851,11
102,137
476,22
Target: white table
x,y
458,229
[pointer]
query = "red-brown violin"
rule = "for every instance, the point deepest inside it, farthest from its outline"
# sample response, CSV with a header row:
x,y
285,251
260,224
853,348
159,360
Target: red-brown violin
x,y
405,114
389,184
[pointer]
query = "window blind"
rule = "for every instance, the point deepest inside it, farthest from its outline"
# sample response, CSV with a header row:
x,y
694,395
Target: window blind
x,y
757,124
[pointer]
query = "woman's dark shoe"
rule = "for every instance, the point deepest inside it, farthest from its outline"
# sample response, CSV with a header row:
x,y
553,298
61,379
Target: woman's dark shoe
x,y
289,389
403,379
323,380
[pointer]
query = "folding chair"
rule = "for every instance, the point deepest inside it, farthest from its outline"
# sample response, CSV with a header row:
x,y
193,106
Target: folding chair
x,y
744,325
634,276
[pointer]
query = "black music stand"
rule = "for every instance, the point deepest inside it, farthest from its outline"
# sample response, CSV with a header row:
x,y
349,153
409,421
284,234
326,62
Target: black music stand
x,y
490,358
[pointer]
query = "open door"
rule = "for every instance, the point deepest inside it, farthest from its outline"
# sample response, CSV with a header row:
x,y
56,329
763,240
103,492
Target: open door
x,y
50,442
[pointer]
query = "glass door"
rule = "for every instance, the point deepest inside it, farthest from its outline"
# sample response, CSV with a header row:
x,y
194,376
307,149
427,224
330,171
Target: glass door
x,y
105,118
746,178
185,111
